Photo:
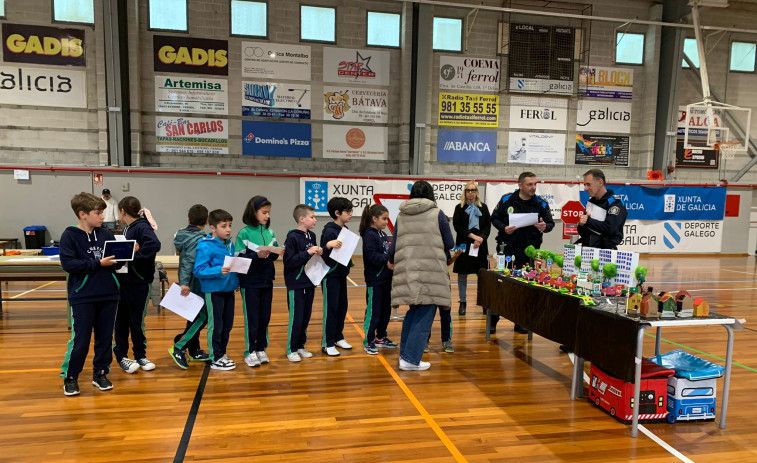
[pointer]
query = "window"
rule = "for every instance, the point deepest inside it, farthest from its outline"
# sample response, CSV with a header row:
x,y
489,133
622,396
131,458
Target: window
x,y
742,56
629,48
249,18
72,11
383,29
448,34
690,48
169,15
2,8
317,24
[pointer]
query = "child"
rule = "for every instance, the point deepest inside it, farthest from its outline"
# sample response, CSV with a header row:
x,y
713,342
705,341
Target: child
x,y
92,293
219,285
299,246
378,277
135,286
185,242
334,285
257,283
445,314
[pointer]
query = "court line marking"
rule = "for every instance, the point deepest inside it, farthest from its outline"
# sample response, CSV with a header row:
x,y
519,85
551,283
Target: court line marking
x,y
33,289
416,403
353,283
181,450
754,370
736,271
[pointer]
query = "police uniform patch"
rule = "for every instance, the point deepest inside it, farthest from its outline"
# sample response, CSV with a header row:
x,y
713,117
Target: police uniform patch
x,y
510,210
614,210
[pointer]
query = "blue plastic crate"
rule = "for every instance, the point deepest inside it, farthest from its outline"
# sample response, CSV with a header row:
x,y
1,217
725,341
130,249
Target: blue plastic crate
x,y
688,366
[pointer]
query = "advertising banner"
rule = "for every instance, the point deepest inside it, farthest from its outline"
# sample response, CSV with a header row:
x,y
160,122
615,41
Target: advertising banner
x,y
348,142
603,116
699,157
670,203
672,236
355,104
557,195
538,113
191,135
536,148
191,95
264,60
268,99
28,86
468,110
353,66
601,150
466,146
603,82
190,55
698,121
43,45
282,139
468,73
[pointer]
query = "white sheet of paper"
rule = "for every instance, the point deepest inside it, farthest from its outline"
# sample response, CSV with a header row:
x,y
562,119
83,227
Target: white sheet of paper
x,y
316,269
597,213
524,220
349,243
272,249
237,264
186,307
119,237
473,251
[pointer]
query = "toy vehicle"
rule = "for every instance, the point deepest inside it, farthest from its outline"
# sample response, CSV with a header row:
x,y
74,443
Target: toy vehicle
x,y
691,400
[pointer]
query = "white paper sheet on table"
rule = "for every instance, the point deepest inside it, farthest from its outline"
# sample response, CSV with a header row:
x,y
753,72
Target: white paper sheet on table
x,y
474,251
185,306
349,243
524,220
237,264
316,269
596,212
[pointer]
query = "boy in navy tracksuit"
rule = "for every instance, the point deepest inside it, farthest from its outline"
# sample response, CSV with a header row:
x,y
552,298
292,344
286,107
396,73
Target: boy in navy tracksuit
x,y
92,293
334,285
218,284
299,247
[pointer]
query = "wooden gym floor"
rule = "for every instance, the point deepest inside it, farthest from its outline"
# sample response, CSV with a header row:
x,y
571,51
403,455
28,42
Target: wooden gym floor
x,y
504,400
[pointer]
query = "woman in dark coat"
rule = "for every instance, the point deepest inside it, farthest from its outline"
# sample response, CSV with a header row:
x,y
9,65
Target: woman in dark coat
x,y
472,224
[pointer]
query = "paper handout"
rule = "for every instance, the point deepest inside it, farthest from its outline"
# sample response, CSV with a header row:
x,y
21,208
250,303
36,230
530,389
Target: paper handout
x,y
349,243
316,269
524,220
237,264
596,212
272,249
185,306
473,252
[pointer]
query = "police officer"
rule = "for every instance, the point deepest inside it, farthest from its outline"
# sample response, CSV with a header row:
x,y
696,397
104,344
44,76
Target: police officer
x,y
515,240
597,232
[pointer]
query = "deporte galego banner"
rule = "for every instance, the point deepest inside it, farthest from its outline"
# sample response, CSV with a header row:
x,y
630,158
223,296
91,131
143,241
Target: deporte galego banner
x,y
670,203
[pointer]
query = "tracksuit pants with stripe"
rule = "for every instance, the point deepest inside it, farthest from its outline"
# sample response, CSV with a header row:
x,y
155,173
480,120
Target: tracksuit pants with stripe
x,y
130,318
300,304
334,309
220,320
378,311
190,338
257,315
94,316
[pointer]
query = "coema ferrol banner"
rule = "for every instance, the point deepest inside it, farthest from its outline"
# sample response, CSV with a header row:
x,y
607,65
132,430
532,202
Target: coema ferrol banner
x,y
191,95
43,45
30,86
191,135
190,55
469,73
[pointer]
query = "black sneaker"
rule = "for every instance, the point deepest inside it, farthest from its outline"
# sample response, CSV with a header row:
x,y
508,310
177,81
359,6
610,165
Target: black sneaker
x,y
199,356
178,356
70,386
101,381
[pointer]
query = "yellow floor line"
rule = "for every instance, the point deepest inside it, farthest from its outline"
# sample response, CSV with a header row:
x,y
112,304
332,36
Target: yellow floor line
x,y
38,370
350,280
416,403
32,290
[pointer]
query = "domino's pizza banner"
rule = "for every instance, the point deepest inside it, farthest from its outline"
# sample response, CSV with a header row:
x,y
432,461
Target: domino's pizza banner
x,y
670,203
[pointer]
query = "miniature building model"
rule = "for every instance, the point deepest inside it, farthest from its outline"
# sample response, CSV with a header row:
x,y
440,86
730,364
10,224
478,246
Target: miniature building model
x,y
633,303
701,307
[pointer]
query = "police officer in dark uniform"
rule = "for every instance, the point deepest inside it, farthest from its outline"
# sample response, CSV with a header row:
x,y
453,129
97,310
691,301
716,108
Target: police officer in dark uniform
x,y
607,233
522,201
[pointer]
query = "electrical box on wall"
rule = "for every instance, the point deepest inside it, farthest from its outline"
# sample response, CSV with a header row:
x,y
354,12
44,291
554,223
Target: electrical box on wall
x,y
125,186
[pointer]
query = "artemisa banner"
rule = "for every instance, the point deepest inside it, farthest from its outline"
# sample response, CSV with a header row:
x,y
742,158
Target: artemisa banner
x,y
264,60
603,116
469,73
466,146
191,95
536,148
348,142
468,110
43,45
538,113
190,55
281,139
355,104
353,66
65,88
554,193
191,135
602,82
601,150
270,99
670,203
673,236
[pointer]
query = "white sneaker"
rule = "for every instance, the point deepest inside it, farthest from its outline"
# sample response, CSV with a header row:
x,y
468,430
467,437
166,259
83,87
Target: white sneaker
x,y
262,356
330,351
224,363
304,353
252,360
294,357
342,344
407,366
128,365
145,364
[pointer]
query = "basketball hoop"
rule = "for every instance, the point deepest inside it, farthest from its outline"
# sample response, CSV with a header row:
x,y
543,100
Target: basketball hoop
x,y
728,149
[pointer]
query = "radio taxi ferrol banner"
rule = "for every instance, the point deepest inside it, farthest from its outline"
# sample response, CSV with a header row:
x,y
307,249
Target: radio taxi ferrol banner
x,y
673,236
354,66
191,135
264,60
191,95
355,104
602,82
190,55
271,99
28,86
468,110
468,73
43,45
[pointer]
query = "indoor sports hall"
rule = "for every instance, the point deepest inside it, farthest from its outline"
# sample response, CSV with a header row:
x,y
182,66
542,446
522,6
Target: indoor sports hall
x,y
593,163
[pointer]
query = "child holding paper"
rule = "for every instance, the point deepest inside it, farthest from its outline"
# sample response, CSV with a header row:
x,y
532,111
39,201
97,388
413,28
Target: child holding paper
x,y
334,285
299,247
257,283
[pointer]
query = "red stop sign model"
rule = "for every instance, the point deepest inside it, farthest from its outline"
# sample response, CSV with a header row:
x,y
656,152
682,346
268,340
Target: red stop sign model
x,y
571,213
